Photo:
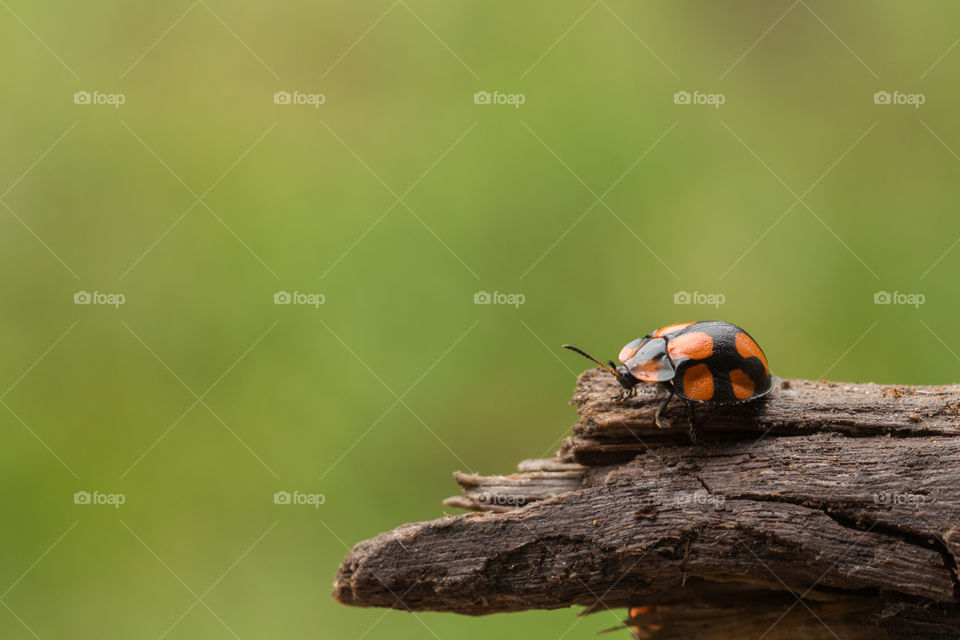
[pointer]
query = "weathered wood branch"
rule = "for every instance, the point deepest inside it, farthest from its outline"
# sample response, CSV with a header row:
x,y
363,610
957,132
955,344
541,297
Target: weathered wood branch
x,y
611,431
845,495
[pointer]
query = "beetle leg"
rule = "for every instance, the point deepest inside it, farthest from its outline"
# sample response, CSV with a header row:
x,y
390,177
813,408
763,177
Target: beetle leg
x,y
692,420
625,394
658,417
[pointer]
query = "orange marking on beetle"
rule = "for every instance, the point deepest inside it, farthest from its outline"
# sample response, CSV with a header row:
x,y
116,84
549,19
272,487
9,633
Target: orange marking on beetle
x,y
698,383
697,345
743,386
662,331
747,348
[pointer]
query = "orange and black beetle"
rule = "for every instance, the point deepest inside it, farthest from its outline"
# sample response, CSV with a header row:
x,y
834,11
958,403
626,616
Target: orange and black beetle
x,y
714,362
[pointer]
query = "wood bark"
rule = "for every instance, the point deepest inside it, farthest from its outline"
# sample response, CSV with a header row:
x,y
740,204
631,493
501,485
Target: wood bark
x,y
835,506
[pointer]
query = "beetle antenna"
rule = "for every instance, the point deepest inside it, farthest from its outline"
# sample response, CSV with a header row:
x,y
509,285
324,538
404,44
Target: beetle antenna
x,y
590,357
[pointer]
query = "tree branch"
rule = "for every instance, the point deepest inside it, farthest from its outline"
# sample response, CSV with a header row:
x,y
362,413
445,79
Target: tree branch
x,y
866,529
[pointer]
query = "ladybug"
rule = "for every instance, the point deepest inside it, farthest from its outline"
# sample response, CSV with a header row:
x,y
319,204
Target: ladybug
x,y
711,362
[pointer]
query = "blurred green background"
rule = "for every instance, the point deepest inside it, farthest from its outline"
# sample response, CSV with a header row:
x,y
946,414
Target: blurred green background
x,y
599,199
